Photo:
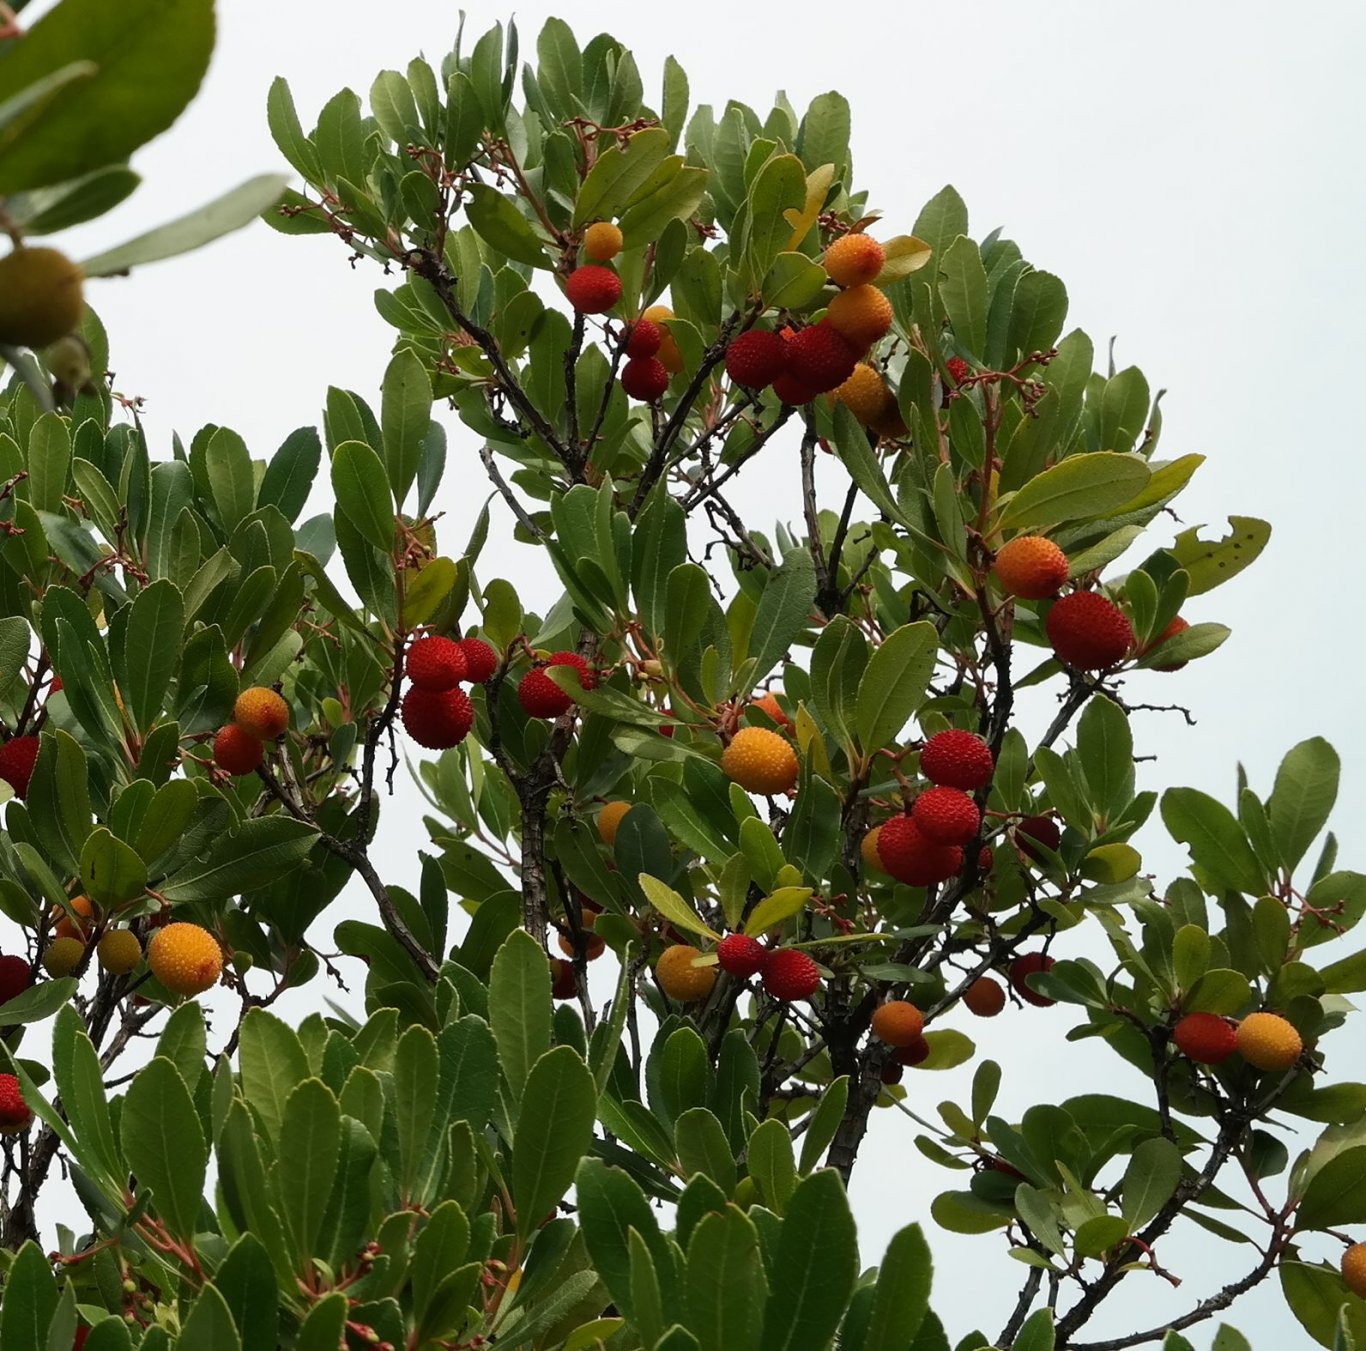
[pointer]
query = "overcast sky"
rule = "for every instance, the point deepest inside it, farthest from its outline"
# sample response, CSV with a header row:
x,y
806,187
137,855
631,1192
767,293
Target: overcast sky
x,y
1192,172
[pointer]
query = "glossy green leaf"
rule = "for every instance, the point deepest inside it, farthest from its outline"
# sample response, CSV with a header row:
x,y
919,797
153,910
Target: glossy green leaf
x,y
405,415
209,1323
776,908
80,1083
784,608
111,871
673,907
310,1144
519,1008
30,1300
500,225
1302,799
893,684
963,289
617,174
163,1144
1149,1180
1080,487
1216,841
273,1063
363,493
725,1284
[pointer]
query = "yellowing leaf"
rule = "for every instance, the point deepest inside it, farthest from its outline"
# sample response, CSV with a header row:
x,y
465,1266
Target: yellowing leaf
x,y
673,907
817,185
904,254
775,908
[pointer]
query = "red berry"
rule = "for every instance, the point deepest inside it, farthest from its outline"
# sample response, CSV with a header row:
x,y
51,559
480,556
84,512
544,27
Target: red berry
x,y
756,358
15,977
436,663
946,815
644,338
912,857
913,1054
645,378
741,955
236,752
891,1073
1178,625
17,758
819,358
985,858
14,1111
1205,1038
437,719
984,997
1024,966
957,759
958,369
790,974
1041,829
593,289
480,659
1089,631
791,390
564,984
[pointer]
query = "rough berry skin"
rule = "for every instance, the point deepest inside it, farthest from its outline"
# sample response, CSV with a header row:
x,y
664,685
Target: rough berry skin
x,y
481,661
819,358
1024,966
957,759
185,958
435,663
1178,625
1268,1042
866,395
1354,1269
1042,830
946,815
645,379
602,241
644,338
1031,567
119,951
592,289
63,956
853,260
14,1111
679,978
898,1023
237,752
541,697
1205,1038
741,955
17,757
912,857
668,347
861,315
984,997
15,978
609,819
913,1054
791,391
790,975
756,358
986,856
261,713
40,297
958,369
564,984
437,719
1088,631
868,850
760,761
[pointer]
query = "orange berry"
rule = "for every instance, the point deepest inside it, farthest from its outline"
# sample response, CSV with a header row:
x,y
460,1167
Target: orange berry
x,y
609,818
868,851
669,356
593,946
760,761
866,395
261,713
1205,1038
602,241
1354,1269
898,1023
1031,567
853,260
679,978
185,958
237,752
984,997
861,315
1268,1042
65,926
768,703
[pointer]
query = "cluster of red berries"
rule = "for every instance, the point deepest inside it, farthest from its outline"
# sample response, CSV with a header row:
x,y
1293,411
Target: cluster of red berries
x,y
541,697
436,711
259,715
788,974
18,755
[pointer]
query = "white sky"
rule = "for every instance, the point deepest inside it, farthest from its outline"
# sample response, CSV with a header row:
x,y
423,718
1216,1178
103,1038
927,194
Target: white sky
x,y
1190,171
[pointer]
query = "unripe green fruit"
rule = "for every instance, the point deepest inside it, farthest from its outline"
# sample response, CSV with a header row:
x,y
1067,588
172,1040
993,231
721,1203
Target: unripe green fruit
x,y
40,297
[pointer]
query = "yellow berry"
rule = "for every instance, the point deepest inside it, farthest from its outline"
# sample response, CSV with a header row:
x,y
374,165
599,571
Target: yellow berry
x,y
185,958
261,713
1268,1042
119,951
853,260
1354,1269
668,355
760,761
40,297
602,241
609,818
867,397
868,851
679,978
63,956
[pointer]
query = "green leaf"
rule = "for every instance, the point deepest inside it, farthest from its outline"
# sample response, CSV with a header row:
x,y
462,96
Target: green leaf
x,y
779,187
771,1164
259,850
500,225
676,199
151,650
1316,1295
111,872
1037,1333
703,1148
39,1002
273,1063
894,681
222,216
814,1269
724,1282
963,289
363,492
414,1104
59,798
1336,1194
80,1082
1218,991
824,1126
150,56
322,1329
210,1323
1212,563
405,415
1150,1180
1216,840
30,1300
617,174
776,908
163,1144
902,1297
1079,488
784,608
673,907
519,1007
310,1144
554,1132
1302,799
792,282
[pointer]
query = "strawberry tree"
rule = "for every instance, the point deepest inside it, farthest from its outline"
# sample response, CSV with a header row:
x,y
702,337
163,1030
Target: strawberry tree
x,y
729,846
